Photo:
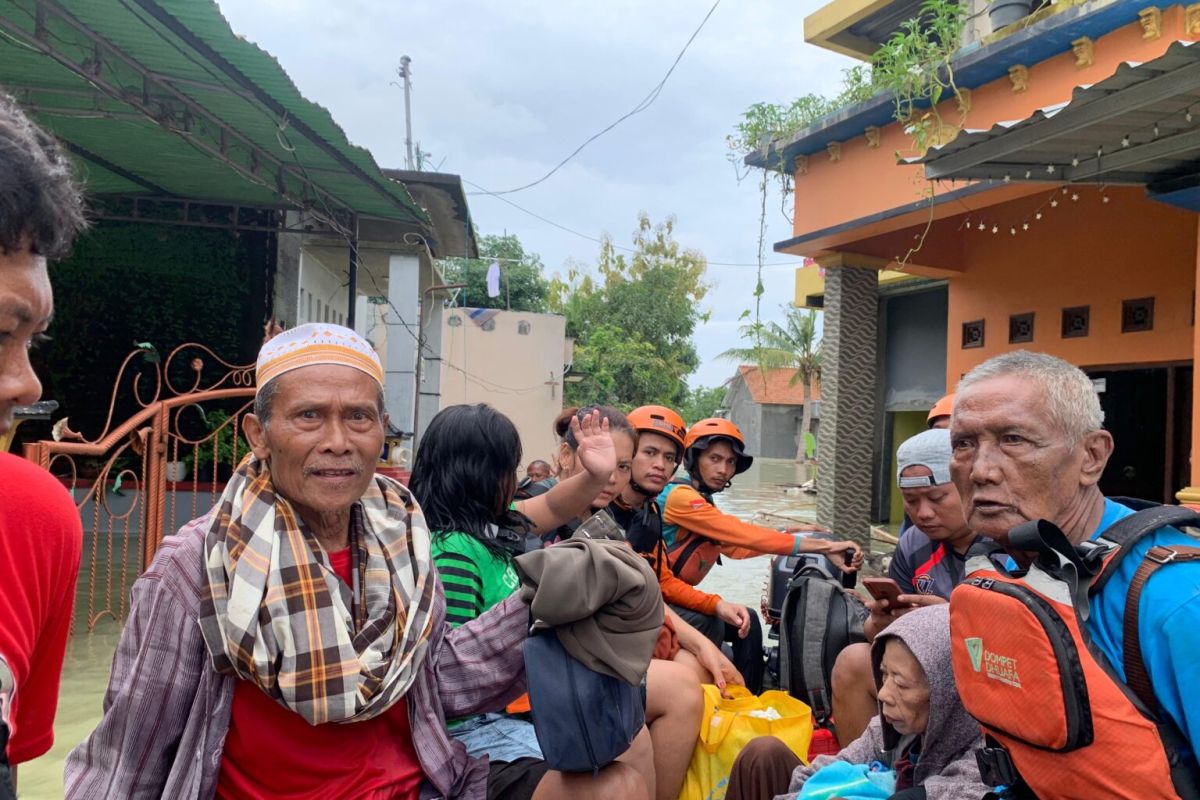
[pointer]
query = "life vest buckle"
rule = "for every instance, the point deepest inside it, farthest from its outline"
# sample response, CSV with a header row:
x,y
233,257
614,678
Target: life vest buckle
x,y
1162,555
996,767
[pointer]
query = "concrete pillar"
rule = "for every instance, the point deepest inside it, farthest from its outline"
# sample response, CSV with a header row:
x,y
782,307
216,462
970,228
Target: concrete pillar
x,y
285,299
429,393
400,388
849,372
1190,495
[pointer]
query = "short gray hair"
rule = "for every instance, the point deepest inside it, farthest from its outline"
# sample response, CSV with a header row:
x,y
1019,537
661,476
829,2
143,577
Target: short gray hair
x,y
266,396
1070,396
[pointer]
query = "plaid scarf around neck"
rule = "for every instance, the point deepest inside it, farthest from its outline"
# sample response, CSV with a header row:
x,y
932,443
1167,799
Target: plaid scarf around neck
x,y
275,613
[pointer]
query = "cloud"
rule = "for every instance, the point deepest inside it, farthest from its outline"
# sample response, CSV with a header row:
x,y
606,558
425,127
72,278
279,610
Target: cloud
x,y
502,92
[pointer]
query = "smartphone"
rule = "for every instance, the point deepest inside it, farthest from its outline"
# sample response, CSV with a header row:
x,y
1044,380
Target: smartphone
x,y
884,589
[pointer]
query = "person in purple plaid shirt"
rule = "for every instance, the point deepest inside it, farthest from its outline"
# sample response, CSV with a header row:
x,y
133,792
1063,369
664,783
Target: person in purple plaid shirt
x,y
292,642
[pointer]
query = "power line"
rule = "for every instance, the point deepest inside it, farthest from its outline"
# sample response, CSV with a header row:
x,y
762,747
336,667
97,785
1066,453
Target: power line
x,y
581,235
647,101
330,218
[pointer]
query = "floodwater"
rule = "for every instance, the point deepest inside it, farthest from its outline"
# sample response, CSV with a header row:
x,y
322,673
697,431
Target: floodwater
x,y
757,496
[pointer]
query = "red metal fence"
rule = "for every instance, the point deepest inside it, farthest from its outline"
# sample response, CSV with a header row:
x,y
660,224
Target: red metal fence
x,y
139,480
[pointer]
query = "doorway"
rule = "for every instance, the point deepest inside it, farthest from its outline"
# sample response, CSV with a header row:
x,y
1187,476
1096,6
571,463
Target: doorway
x,y
1148,412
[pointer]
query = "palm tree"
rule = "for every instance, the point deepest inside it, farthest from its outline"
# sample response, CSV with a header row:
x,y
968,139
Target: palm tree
x,y
793,345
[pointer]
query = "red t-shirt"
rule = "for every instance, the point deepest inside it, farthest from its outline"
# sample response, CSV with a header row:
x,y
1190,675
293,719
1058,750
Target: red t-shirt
x,y
271,752
40,542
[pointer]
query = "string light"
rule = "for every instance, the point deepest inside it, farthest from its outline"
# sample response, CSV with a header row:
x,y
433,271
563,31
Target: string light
x,y
1075,161
1125,142
1050,200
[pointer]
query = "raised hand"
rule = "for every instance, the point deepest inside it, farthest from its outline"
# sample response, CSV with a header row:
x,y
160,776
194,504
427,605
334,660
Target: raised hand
x,y
595,449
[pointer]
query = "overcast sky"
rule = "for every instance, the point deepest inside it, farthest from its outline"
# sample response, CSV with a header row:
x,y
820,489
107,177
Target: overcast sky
x,y
503,91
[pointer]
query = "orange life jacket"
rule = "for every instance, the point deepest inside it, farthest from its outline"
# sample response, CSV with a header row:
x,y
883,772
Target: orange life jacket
x,y
1058,723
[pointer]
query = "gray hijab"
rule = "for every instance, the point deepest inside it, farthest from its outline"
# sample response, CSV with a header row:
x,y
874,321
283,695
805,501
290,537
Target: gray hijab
x,y
951,732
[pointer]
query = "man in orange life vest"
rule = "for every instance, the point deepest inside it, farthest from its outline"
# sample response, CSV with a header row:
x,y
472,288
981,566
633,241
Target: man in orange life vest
x,y
1028,444
696,533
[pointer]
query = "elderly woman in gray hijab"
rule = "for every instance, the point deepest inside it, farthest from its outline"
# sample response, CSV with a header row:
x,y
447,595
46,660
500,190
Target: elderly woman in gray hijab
x,y
922,732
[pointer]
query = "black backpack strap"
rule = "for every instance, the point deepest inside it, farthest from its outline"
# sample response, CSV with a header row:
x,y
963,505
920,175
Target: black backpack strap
x,y
1128,531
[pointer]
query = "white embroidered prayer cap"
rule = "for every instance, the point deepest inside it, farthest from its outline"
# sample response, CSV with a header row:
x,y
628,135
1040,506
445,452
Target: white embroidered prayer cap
x,y
316,343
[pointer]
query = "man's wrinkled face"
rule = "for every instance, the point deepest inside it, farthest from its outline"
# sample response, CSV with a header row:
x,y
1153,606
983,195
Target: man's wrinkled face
x,y
323,437
26,305
537,471
1011,463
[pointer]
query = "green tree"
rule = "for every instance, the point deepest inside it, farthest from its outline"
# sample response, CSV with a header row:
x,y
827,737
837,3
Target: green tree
x,y
702,403
644,305
793,345
523,287
620,369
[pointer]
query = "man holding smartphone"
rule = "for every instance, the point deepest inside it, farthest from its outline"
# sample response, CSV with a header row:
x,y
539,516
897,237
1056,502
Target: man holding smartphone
x,y
929,562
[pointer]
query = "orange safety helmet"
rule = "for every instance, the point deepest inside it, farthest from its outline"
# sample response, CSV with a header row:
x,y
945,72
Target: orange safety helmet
x,y
942,408
660,420
702,434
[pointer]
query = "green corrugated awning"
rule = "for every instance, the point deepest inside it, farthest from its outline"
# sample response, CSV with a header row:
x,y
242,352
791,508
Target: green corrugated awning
x,y
161,98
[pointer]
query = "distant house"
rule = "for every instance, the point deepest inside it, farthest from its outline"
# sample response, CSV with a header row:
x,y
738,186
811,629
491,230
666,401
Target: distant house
x,y
768,408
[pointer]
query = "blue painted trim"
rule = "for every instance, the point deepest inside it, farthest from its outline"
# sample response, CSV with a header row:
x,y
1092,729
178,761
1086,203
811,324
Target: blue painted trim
x,y
1184,198
974,66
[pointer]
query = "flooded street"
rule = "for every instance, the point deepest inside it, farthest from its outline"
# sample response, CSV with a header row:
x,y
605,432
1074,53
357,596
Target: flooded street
x,y
755,494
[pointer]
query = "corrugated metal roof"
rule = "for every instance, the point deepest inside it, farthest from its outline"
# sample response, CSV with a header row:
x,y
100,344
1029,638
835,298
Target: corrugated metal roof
x,y
1138,126
160,96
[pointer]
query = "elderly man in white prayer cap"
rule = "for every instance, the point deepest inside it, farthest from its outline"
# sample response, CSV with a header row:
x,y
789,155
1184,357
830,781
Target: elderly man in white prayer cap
x,y
291,642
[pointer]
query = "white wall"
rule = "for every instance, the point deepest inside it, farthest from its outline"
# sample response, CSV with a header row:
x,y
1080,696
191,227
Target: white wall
x,y
519,374
323,297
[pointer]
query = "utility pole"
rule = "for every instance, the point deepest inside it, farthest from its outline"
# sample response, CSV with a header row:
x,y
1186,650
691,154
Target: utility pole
x,y
406,75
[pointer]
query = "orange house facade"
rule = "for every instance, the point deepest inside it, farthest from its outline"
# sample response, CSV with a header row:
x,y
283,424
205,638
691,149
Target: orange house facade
x,y
1061,215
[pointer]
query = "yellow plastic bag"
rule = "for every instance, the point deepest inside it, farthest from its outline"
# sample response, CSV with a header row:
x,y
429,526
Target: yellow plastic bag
x,y
728,725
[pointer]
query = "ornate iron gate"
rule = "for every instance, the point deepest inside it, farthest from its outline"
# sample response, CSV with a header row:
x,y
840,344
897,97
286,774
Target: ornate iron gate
x,y
139,480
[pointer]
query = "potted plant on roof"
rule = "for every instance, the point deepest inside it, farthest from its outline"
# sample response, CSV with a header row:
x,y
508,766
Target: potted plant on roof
x,y
1003,13
915,65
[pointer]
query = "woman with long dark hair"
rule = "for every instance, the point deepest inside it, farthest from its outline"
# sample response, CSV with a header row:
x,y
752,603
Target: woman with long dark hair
x,y
464,477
